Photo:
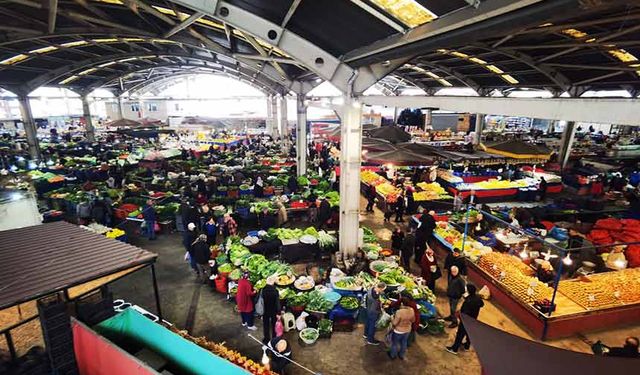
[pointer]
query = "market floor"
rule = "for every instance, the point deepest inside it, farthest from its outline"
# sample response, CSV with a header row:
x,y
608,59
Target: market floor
x,y
203,312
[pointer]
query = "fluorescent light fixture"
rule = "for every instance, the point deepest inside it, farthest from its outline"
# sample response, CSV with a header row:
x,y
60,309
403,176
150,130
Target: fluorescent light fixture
x,y
88,71
459,54
132,40
67,80
14,59
575,33
77,43
477,60
44,49
444,82
494,69
510,79
106,40
409,12
433,75
128,59
107,64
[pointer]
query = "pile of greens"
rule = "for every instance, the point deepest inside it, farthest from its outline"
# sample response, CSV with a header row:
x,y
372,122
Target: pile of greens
x,y
326,240
298,299
349,303
317,302
369,236
325,327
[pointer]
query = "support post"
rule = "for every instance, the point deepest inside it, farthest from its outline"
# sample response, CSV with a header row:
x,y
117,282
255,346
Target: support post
x,y
275,130
427,119
269,122
120,113
86,113
478,129
566,143
29,127
350,153
284,125
301,136
155,291
395,115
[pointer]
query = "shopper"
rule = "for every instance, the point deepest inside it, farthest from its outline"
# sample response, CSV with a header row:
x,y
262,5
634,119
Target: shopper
x,y
361,264
244,301
149,215
283,217
324,212
200,254
389,209
471,307
188,237
424,233
374,310
629,350
402,324
397,238
455,258
400,207
371,198
430,269
258,188
292,184
210,229
407,248
271,299
455,290
542,189
280,354
230,227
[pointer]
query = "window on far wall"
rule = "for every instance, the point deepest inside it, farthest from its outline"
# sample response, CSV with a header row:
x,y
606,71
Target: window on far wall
x,y
152,107
135,108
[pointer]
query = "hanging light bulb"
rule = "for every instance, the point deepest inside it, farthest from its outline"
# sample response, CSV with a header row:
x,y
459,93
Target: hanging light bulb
x,y
567,260
523,254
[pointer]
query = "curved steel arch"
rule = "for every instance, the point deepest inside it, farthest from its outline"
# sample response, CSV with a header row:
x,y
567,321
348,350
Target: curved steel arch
x,y
555,76
239,74
460,77
88,63
158,80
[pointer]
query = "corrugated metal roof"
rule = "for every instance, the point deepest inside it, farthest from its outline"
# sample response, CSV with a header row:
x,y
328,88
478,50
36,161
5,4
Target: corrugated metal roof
x,y
42,259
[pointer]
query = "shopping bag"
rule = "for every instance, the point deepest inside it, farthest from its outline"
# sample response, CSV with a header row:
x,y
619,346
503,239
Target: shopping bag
x,y
187,257
259,306
388,338
156,227
384,321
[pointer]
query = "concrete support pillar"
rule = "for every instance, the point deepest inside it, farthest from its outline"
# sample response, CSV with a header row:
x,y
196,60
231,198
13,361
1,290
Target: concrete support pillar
x,y
120,113
86,113
29,127
479,127
395,115
427,119
566,143
350,154
284,124
275,130
301,136
269,122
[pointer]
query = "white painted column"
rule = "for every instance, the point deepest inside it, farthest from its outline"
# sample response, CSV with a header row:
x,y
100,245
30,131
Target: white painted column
x,y
120,113
479,127
395,115
301,136
427,119
350,154
86,113
284,124
275,130
566,143
270,117
29,127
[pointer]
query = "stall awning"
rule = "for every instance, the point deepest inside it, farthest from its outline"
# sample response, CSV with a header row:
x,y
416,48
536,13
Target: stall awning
x,y
398,157
48,258
517,149
392,134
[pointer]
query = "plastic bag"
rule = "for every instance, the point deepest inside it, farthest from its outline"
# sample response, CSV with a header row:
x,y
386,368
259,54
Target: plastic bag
x,y
484,292
187,257
259,306
384,321
301,322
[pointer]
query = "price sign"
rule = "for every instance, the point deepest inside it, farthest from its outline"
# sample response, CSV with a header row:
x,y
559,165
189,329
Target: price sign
x,y
530,291
616,294
591,298
503,274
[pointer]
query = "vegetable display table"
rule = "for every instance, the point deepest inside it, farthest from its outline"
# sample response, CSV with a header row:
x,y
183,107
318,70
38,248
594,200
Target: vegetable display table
x,y
299,252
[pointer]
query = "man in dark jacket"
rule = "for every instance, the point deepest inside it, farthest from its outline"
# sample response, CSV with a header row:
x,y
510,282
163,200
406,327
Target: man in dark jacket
x,y
407,249
271,299
424,233
374,310
149,215
400,207
324,213
371,198
629,350
455,291
280,354
471,307
292,184
455,258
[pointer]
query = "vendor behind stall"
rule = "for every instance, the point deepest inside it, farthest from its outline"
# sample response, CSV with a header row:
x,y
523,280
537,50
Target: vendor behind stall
x,y
545,272
586,253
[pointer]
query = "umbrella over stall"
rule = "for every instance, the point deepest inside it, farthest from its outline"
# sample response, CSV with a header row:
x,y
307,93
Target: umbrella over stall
x,y
517,149
392,134
376,144
397,157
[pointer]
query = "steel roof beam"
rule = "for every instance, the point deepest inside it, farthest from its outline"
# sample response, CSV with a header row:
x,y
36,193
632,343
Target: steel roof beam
x,y
53,14
460,77
184,24
469,21
290,12
598,110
